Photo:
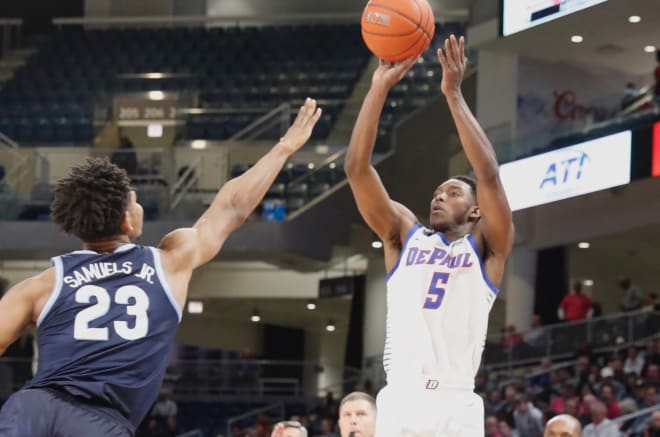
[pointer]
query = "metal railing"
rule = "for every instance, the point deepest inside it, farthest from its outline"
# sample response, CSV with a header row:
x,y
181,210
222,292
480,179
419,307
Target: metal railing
x,y
562,340
276,118
278,406
633,423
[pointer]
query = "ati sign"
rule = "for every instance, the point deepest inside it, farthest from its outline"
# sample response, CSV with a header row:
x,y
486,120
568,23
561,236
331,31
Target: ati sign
x,y
572,171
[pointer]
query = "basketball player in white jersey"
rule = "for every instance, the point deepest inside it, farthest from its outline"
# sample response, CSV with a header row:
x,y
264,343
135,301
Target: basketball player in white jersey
x,y
442,281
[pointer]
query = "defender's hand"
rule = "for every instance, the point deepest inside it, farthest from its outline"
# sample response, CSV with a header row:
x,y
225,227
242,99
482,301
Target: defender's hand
x,y
301,129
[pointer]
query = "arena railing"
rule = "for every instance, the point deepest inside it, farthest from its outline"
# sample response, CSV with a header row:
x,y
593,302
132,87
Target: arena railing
x,y
562,340
277,408
10,34
447,14
634,423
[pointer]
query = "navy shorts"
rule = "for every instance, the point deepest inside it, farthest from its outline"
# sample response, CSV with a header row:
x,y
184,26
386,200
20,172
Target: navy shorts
x,y
50,413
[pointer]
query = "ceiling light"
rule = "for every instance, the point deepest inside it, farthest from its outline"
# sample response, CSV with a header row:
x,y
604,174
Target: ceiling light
x,y
156,95
330,326
332,165
195,307
584,245
577,38
310,166
634,19
376,244
649,49
198,144
255,317
155,130
588,282
311,305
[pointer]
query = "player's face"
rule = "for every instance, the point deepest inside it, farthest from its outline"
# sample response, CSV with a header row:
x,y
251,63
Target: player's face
x,y
135,214
357,419
452,204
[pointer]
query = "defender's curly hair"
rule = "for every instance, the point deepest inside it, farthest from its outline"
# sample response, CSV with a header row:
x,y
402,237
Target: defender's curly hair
x,y
91,201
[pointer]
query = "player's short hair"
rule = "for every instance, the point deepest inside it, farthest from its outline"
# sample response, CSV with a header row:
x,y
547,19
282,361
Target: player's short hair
x,y
91,201
472,182
358,396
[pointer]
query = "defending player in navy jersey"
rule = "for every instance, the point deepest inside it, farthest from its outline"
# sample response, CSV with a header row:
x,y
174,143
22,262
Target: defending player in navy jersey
x,y
442,281
106,315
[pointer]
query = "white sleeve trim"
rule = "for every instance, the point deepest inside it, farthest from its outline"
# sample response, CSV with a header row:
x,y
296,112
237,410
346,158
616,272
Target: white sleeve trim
x,y
57,288
163,280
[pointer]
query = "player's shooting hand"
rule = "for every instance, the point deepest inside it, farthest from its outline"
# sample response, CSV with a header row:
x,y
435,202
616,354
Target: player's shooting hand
x,y
388,73
453,62
301,129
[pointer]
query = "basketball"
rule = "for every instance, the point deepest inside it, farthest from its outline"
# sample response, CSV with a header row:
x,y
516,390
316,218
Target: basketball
x,y
394,30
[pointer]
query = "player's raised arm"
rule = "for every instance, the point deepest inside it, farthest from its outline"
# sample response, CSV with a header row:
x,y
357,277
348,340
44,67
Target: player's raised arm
x,y
237,198
496,217
386,218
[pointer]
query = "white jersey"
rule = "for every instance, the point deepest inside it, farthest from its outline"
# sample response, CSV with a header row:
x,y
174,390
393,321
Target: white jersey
x,y
438,301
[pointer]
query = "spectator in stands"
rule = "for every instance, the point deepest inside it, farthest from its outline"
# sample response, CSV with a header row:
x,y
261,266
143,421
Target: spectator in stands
x,y
588,401
634,361
536,337
528,418
651,303
609,399
652,374
558,404
657,78
165,411
357,415
630,94
572,406
651,355
633,298
125,157
575,305
493,403
511,338
505,412
650,396
600,425
491,427
607,377
563,425
653,429
506,431
327,428
290,428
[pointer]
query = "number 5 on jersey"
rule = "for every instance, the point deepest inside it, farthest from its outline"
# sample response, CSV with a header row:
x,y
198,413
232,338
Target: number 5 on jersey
x,y
436,292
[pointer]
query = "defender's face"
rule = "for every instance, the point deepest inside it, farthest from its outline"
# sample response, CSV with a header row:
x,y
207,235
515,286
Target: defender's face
x,y
135,215
357,419
451,204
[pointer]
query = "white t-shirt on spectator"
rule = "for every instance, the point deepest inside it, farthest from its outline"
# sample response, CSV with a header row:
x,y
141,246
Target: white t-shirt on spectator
x,y
606,428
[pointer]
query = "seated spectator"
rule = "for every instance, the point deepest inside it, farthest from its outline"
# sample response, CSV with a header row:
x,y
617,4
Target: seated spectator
x,y
607,377
600,425
327,427
491,427
505,412
512,337
630,94
505,430
537,335
575,305
563,425
633,298
572,406
634,361
651,303
609,399
651,355
527,418
585,409
653,430
290,428
650,396
558,403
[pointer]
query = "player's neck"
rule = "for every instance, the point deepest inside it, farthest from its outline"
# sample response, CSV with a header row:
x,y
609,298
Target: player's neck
x,y
107,246
455,233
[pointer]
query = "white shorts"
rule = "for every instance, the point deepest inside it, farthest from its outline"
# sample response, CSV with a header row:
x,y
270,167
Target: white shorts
x,y
418,412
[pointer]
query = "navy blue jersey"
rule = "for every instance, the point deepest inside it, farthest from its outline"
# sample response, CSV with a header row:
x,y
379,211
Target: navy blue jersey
x,y
107,330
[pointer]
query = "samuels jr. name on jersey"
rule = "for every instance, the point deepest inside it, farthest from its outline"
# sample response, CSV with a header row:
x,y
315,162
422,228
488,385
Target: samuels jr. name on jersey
x,y
101,270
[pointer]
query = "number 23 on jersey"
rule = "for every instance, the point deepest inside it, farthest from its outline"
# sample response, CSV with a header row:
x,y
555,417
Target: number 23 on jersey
x,y
137,308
